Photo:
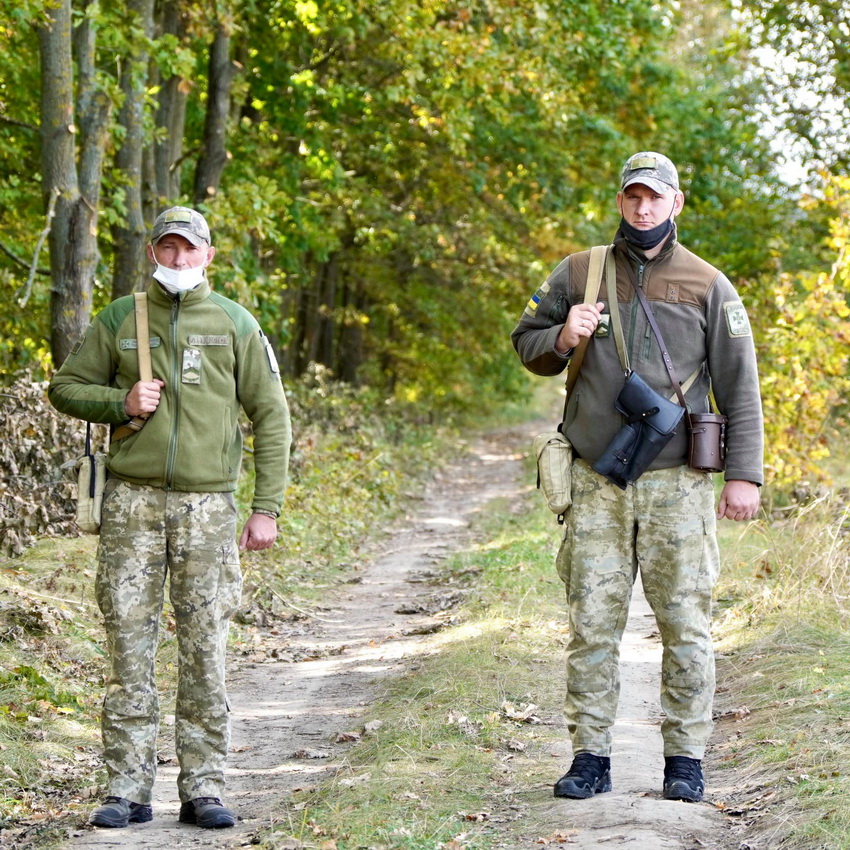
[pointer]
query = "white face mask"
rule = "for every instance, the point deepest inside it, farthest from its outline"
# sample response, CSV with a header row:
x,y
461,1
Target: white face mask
x,y
175,281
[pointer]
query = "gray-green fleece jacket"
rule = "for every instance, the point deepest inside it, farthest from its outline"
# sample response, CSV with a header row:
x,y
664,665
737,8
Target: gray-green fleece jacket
x,y
704,325
213,358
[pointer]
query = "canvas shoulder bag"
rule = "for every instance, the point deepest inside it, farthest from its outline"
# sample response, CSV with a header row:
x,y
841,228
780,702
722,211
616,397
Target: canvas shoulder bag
x,y
552,450
91,481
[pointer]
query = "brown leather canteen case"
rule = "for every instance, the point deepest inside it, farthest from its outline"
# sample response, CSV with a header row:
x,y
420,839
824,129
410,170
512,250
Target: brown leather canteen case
x,y
707,442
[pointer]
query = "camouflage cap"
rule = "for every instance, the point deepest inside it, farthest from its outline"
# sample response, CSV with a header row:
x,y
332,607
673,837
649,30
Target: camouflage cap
x,y
187,223
651,169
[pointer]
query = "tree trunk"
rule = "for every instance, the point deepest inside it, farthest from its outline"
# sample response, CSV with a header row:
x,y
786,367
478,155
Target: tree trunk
x,y
350,353
170,116
131,267
72,239
214,152
328,314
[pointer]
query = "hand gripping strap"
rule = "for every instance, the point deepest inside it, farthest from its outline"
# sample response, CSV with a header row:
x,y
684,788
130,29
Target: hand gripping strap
x,y
143,338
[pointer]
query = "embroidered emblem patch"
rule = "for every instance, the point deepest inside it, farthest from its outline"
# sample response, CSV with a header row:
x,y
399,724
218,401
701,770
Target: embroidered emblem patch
x,y
736,319
270,354
603,329
191,373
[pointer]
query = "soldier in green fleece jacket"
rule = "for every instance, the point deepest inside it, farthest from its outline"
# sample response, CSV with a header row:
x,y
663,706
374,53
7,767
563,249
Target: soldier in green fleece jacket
x,y
169,509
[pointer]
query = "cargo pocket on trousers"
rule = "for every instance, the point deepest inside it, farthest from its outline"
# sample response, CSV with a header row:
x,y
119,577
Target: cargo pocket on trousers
x,y
230,582
592,684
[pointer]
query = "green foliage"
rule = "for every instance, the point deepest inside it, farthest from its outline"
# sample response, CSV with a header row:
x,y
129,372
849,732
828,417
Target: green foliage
x,y
803,333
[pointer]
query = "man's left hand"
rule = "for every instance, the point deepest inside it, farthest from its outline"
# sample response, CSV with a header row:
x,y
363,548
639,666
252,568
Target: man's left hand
x,y
738,501
259,532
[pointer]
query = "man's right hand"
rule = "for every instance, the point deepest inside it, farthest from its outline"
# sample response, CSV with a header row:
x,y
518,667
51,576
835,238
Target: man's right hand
x,y
143,399
581,322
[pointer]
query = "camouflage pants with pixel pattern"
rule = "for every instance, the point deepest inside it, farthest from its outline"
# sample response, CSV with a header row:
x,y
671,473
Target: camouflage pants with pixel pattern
x,y
663,525
147,534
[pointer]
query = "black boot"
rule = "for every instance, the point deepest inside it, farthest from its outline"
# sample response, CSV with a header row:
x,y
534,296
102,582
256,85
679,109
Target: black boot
x,y
588,775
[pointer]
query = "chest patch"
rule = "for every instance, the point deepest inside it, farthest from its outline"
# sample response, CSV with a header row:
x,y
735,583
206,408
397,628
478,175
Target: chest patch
x,y
133,344
737,322
209,339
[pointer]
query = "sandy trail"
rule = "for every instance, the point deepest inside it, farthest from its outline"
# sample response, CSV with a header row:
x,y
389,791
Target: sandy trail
x,y
287,716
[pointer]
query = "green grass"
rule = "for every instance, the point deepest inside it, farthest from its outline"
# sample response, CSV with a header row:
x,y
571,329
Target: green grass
x,y
785,672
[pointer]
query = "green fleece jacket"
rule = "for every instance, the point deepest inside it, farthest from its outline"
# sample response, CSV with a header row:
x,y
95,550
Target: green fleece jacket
x,y
213,358
704,325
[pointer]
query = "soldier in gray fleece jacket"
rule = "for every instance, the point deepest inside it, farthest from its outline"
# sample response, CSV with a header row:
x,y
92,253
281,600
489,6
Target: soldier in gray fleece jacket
x,y
664,523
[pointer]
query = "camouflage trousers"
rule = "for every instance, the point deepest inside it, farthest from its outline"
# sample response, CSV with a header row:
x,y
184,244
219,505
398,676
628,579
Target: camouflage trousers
x,y
664,525
146,535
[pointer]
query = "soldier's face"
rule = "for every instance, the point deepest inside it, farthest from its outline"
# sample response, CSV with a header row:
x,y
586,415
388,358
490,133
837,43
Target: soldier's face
x,y
644,208
176,252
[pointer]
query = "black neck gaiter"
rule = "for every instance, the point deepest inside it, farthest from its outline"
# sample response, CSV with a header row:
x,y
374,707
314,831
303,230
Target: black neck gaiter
x,y
645,239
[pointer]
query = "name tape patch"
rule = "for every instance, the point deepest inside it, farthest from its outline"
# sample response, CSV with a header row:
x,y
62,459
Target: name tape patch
x,y
209,339
133,344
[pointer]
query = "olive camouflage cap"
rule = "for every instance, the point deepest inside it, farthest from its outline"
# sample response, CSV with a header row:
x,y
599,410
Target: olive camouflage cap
x,y
650,169
187,223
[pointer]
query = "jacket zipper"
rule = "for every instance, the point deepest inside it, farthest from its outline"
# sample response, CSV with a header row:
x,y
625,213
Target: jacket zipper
x,y
635,305
175,384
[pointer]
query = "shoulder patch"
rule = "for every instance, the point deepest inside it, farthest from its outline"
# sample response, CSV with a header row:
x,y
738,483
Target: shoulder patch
x,y
534,301
270,353
737,322
79,343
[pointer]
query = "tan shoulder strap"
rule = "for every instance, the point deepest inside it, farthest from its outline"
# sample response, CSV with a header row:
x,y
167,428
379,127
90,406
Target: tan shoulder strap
x,y
591,291
143,336
143,345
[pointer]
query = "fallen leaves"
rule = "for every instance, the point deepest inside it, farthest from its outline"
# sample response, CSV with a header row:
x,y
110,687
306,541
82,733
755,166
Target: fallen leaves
x,y
521,714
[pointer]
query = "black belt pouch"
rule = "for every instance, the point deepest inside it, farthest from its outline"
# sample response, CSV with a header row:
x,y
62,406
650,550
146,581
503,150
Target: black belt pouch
x,y
651,421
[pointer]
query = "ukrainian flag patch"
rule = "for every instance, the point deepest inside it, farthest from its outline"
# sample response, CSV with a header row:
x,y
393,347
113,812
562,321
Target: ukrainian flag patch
x,y
534,301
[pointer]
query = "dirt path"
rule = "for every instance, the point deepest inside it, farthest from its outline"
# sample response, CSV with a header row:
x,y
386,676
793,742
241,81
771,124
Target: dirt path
x,y
288,715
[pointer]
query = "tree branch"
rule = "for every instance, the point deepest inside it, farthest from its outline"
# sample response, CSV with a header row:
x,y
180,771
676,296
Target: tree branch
x,y
15,123
51,209
22,263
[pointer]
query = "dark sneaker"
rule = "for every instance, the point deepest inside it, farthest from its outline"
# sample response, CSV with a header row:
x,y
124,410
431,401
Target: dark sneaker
x,y
683,779
118,812
588,775
206,812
